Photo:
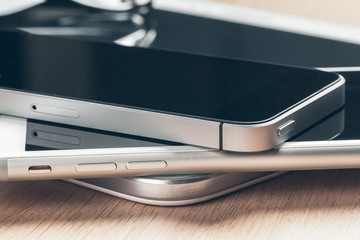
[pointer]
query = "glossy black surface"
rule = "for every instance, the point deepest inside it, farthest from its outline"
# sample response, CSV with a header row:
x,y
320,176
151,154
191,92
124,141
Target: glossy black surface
x,y
210,36
351,129
185,84
187,33
352,109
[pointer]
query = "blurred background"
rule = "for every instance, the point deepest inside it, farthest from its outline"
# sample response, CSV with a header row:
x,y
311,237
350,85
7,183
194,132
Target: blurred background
x,y
301,33
329,10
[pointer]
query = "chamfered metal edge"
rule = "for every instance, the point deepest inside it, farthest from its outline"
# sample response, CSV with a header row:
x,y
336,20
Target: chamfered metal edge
x,y
113,118
263,136
340,69
198,196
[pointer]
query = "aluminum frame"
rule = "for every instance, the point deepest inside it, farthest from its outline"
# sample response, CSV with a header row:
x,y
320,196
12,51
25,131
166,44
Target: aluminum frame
x,y
231,137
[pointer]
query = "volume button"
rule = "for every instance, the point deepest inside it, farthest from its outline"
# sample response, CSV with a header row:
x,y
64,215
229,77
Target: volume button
x,y
144,165
95,167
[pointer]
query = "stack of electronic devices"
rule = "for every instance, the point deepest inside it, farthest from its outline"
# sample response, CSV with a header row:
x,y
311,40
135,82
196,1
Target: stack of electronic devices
x,y
155,121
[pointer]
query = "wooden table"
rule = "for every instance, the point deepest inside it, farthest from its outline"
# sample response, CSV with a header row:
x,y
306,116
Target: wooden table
x,y
311,204
306,205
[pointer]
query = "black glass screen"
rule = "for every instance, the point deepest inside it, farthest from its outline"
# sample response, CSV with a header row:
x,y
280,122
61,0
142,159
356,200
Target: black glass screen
x,y
184,84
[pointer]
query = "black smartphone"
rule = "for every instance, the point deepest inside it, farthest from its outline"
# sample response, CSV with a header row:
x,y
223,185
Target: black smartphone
x,y
201,100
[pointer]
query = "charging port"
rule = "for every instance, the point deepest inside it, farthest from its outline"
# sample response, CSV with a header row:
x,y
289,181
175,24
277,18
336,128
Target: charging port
x,y
40,169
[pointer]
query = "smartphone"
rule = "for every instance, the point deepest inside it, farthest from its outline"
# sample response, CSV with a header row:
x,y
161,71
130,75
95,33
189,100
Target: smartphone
x,y
164,190
179,189
90,155
142,156
199,100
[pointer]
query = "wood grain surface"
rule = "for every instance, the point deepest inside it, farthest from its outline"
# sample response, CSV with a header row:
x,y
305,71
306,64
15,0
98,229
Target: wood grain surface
x,y
298,205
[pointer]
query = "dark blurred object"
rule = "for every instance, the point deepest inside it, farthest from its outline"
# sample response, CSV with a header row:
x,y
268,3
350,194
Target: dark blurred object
x,y
9,7
76,19
145,26
124,28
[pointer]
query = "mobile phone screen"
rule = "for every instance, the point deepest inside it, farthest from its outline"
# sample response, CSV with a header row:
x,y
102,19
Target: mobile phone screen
x,y
170,82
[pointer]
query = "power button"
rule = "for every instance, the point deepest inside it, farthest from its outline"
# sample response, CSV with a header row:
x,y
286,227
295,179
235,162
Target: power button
x,y
286,128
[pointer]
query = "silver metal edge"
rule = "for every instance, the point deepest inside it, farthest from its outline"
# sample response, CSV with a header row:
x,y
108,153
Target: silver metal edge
x,y
114,118
263,136
355,144
300,156
63,162
151,200
340,69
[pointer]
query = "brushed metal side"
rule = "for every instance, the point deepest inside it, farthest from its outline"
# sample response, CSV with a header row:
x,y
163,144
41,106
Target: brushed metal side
x,y
113,118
